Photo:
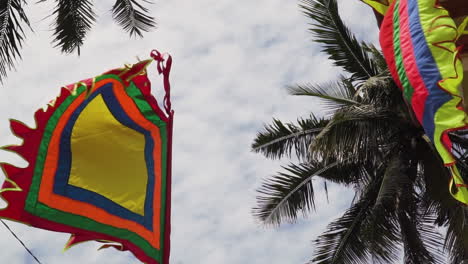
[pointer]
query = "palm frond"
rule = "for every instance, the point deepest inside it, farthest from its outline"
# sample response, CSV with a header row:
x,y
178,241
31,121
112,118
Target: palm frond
x,y
133,17
421,243
435,200
357,132
380,231
460,151
338,42
279,139
456,240
74,19
342,241
393,179
381,91
333,95
12,19
377,57
345,173
286,194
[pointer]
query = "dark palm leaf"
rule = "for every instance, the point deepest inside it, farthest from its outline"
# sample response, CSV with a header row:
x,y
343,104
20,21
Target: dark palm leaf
x,y
338,42
382,91
375,145
456,241
393,179
422,244
74,19
380,231
279,139
346,173
342,241
359,133
12,18
285,194
333,96
133,17
436,200
460,150
377,57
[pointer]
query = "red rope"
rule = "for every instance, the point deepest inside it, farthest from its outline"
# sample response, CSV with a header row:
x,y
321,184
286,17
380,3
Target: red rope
x,y
164,69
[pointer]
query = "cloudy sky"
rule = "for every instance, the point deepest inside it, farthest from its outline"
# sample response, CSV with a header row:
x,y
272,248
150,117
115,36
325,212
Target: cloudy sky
x,y
232,60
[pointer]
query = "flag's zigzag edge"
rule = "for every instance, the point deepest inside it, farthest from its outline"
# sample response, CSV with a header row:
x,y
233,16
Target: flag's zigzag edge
x,y
16,188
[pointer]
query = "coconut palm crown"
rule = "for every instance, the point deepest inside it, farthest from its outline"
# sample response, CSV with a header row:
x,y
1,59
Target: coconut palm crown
x,y
73,21
370,142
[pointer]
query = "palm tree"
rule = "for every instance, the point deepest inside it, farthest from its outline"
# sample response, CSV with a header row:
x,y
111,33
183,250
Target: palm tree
x,y
73,21
370,142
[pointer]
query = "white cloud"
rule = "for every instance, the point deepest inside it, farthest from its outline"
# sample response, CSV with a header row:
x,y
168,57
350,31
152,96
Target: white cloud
x,y
231,62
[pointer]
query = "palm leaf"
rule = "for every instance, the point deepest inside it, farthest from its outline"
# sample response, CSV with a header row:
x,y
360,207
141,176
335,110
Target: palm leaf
x,y
393,179
435,200
345,173
133,17
74,19
12,19
287,193
456,241
422,244
360,133
338,42
377,57
380,232
342,241
279,139
333,96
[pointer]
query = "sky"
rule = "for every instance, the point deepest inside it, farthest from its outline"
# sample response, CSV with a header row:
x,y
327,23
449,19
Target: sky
x,y
232,61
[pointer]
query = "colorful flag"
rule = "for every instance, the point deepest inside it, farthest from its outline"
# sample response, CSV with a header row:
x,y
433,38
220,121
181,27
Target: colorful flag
x,y
99,163
418,39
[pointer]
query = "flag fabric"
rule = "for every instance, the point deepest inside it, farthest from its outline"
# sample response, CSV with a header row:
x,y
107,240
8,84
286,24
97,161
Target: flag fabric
x,y
99,163
418,40
381,6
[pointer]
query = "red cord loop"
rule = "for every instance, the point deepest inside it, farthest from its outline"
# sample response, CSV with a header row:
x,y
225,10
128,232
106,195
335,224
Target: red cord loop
x,y
164,69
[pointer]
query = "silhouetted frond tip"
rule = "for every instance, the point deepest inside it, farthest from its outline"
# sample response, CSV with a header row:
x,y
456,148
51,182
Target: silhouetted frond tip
x,y
12,20
337,40
74,19
279,139
285,194
133,17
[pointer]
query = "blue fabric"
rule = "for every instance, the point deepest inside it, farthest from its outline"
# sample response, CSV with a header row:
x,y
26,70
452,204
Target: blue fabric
x,y
428,70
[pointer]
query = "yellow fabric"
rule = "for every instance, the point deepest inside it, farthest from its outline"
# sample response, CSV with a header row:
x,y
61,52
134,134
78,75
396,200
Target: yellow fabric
x,y
462,192
108,157
462,27
380,6
440,31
